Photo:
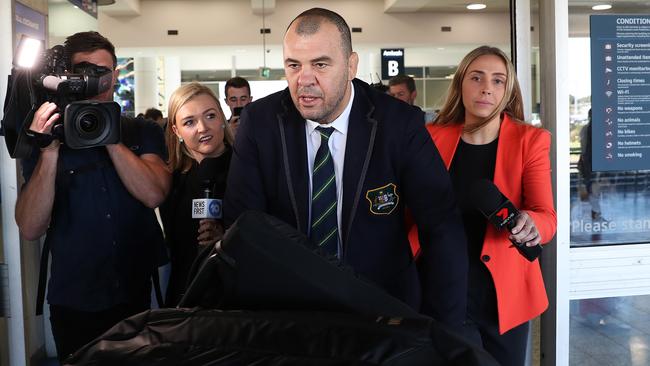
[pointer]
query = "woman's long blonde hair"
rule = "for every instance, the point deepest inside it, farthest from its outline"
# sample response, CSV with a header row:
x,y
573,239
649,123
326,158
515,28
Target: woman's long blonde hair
x,y
453,111
179,156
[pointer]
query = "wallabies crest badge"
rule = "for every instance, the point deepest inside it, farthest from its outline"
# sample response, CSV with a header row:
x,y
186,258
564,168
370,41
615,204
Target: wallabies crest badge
x,y
383,200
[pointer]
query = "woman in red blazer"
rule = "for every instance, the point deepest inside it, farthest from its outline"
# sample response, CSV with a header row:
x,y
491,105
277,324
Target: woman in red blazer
x,y
479,135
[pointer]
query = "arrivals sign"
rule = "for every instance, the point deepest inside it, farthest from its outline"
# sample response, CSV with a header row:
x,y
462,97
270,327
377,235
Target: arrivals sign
x,y
392,62
620,92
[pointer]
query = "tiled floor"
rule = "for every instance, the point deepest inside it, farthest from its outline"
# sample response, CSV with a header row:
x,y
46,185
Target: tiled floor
x,y
610,331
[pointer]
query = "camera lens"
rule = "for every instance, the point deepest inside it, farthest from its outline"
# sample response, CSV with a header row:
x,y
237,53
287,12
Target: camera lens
x,y
88,123
91,123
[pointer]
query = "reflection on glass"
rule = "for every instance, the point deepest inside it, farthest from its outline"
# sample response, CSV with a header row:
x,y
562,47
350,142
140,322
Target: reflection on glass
x,y
610,331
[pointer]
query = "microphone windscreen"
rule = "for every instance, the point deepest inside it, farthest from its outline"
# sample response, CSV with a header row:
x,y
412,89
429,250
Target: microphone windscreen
x,y
208,170
486,196
51,82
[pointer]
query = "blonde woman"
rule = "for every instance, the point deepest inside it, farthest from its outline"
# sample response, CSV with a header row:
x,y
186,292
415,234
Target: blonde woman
x,y
480,135
199,144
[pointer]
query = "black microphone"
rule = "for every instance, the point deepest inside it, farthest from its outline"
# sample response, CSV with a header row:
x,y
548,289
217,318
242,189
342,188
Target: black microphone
x,y
498,209
207,207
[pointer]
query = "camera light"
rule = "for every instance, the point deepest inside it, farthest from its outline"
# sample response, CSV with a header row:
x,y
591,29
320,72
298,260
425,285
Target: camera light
x,y
27,52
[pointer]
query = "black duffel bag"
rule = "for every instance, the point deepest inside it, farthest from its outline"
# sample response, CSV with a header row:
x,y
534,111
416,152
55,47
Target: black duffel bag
x,y
215,337
280,303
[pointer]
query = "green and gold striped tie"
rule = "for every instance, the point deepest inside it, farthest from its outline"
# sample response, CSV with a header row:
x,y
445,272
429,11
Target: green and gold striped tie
x,y
324,227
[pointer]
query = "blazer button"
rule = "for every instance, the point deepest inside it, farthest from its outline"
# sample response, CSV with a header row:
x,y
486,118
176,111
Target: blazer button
x,y
485,258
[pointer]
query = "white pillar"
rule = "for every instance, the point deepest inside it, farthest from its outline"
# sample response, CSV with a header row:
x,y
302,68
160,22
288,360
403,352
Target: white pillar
x,y
9,192
523,52
553,44
172,78
146,84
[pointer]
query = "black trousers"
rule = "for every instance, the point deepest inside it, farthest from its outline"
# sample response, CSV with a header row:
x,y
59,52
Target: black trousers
x,y
72,328
508,349
482,327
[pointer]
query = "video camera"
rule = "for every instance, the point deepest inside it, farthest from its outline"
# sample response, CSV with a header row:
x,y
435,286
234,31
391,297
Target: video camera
x,y
51,77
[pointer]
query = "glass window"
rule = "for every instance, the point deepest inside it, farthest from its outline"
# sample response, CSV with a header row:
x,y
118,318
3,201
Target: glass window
x,y
607,207
223,75
610,331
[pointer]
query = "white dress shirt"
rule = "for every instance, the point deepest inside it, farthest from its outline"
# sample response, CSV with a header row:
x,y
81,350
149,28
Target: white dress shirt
x,y
336,144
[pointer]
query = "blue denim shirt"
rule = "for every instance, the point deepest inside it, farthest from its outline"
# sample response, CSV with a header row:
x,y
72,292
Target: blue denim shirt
x,y
104,243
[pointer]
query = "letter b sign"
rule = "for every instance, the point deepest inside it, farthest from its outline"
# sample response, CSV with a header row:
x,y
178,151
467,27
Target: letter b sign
x,y
393,68
392,63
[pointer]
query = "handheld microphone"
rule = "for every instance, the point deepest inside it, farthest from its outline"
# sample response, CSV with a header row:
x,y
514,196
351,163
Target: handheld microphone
x,y
207,207
498,209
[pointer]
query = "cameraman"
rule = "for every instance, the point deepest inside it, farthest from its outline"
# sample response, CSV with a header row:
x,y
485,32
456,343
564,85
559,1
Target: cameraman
x,y
96,207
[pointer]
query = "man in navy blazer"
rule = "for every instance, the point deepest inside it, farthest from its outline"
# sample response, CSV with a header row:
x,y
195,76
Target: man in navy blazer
x,y
385,164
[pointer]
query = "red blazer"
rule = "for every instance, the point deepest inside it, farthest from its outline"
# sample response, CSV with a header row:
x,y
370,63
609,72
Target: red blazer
x,y
523,174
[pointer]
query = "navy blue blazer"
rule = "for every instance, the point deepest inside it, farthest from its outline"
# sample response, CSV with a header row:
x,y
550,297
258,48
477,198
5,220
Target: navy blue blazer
x,y
390,164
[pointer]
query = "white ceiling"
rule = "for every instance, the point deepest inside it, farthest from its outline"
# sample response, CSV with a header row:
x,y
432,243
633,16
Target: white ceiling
x,y
410,6
132,7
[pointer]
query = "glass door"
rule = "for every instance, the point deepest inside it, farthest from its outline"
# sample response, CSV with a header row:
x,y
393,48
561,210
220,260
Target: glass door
x,y
609,209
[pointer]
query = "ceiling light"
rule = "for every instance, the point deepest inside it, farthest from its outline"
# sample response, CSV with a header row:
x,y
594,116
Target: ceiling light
x,y
476,6
601,7
105,2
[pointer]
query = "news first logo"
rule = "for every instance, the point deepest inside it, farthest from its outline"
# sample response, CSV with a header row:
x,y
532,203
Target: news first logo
x,y
206,209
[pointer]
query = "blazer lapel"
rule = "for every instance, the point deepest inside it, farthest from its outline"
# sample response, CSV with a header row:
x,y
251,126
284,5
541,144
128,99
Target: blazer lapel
x,y
294,154
507,150
442,137
358,150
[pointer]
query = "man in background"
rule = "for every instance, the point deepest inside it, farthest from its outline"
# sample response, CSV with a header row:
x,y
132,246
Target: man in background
x,y
156,116
403,88
238,95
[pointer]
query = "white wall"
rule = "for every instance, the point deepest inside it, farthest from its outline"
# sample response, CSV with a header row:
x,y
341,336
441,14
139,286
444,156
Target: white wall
x,y
213,34
64,19
210,23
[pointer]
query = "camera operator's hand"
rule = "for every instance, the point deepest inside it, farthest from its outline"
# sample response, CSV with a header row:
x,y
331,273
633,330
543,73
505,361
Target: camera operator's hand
x,y
44,118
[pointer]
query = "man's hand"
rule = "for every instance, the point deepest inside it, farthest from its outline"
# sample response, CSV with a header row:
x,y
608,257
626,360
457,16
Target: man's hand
x,y
44,118
233,123
35,202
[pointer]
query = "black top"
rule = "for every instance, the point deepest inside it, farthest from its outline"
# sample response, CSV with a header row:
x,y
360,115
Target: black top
x,y
471,163
181,229
105,244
